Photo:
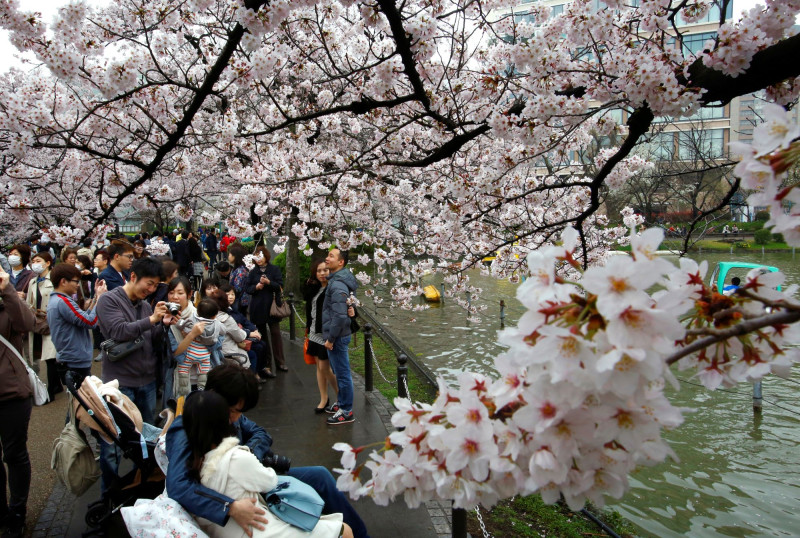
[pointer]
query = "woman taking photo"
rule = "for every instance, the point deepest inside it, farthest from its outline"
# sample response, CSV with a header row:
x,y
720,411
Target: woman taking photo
x,y
40,347
264,284
314,294
238,276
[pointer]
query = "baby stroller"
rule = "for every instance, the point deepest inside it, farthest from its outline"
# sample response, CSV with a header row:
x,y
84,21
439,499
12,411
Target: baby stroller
x,y
118,421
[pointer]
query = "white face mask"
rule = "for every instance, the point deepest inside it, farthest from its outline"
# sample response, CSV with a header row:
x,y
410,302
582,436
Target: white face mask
x,y
79,266
37,268
15,261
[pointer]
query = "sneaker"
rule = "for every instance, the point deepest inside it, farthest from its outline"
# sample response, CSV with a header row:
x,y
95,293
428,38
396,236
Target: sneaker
x,y
341,417
332,408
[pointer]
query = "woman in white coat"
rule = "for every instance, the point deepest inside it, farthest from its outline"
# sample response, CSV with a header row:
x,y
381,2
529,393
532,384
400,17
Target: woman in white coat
x,y
40,346
222,464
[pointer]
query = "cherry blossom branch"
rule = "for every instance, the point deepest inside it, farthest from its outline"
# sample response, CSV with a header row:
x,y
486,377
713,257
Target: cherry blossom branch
x,y
739,329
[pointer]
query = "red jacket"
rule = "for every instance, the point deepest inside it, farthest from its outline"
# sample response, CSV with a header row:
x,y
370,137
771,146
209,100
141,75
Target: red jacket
x,y
227,240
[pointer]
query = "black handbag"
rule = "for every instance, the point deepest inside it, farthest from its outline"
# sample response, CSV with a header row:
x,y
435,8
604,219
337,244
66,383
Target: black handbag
x,y
116,351
354,326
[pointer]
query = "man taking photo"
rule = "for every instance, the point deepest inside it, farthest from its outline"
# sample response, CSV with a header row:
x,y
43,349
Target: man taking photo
x,y
126,317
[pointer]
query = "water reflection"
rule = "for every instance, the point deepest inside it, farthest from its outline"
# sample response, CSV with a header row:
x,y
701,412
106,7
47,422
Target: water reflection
x,y
737,472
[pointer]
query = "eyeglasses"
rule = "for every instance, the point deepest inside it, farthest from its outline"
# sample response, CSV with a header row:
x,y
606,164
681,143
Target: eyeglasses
x,y
129,256
75,281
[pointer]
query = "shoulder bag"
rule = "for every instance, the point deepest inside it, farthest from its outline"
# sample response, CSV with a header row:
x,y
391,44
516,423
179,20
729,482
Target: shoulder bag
x,y
295,502
40,396
116,351
73,459
282,310
40,326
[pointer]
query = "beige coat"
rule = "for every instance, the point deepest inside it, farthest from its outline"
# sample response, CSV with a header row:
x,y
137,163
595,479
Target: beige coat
x,y
45,288
233,470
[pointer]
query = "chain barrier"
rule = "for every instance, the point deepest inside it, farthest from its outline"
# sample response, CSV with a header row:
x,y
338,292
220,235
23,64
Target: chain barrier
x,y
408,392
298,316
375,360
481,523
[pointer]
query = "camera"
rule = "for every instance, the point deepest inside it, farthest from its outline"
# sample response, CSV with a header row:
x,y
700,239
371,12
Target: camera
x,y
280,464
173,308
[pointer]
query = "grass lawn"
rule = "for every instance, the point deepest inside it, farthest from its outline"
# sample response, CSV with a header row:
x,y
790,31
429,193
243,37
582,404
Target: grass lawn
x,y
719,246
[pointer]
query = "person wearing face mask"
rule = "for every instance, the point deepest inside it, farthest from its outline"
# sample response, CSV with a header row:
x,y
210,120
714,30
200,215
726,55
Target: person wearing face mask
x,y
40,346
4,265
18,258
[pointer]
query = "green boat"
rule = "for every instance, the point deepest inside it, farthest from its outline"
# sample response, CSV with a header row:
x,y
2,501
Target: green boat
x,y
723,268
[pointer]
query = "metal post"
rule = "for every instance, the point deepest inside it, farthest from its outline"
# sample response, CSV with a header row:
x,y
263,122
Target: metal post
x,y
502,312
459,523
442,284
762,251
290,300
368,358
469,300
402,375
757,396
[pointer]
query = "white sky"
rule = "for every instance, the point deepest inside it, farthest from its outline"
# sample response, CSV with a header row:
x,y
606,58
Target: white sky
x,y
48,8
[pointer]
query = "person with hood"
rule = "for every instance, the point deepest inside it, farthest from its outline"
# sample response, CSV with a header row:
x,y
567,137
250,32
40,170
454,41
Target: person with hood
x,y
336,332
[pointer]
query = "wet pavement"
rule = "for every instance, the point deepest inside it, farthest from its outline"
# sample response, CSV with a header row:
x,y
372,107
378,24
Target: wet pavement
x,y
285,409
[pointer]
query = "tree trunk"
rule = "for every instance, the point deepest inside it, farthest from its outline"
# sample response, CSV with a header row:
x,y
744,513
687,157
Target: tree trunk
x,y
292,280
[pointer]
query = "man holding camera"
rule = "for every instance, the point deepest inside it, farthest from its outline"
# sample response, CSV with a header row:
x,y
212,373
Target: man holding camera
x,y
239,387
130,326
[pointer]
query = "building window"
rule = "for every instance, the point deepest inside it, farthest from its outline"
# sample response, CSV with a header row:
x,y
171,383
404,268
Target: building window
x,y
693,43
701,144
660,147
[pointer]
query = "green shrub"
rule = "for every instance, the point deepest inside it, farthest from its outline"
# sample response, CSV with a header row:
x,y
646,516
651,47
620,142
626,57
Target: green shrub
x,y
762,236
778,238
304,262
762,216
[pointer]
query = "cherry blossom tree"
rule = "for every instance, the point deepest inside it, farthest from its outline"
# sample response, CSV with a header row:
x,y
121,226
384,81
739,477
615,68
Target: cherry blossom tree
x,y
435,131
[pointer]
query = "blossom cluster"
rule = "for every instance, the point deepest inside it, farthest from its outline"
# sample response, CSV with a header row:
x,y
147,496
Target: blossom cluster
x,y
579,399
763,168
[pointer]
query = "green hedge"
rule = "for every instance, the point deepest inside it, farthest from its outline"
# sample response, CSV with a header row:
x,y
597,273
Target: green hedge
x,y
763,236
304,261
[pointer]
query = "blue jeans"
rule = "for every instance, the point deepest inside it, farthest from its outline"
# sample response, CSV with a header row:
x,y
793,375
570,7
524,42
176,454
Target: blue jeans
x,y
340,363
323,483
145,399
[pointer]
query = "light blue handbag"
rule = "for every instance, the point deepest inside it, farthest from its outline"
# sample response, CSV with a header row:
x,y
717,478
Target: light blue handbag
x,y
295,502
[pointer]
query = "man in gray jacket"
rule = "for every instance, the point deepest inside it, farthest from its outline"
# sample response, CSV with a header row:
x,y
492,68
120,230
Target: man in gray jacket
x,y
124,316
336,332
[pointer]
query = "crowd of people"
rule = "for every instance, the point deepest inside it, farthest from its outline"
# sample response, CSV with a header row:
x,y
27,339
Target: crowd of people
x,y
192,320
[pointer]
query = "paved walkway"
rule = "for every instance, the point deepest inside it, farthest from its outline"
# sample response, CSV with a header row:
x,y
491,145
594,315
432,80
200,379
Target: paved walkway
x,y
285,409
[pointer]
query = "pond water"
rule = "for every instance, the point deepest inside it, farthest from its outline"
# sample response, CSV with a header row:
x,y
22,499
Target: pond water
x,y
737,473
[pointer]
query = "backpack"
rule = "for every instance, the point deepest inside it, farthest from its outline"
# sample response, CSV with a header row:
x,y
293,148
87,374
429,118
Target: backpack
x,y
73,459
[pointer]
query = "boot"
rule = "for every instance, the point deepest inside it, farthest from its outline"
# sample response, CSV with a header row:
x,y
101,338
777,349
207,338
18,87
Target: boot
x,y
15,526
201,381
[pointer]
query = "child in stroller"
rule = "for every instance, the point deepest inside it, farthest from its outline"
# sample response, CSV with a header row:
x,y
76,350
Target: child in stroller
x,y
112,416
